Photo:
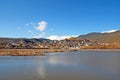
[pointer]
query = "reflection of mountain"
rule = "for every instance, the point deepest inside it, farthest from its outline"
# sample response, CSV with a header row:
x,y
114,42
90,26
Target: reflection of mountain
x,y
103,37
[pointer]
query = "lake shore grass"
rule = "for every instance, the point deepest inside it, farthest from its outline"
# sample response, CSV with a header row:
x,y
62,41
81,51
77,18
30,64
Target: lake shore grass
x,y
40,52
29,52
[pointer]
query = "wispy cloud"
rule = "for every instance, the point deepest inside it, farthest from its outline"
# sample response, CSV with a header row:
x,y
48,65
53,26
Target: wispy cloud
x,y
38,30
56,37
30,24
41,26
29,31
40,35
109,31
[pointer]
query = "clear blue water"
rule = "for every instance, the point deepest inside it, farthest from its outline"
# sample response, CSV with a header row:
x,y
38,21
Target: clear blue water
x,y
80,65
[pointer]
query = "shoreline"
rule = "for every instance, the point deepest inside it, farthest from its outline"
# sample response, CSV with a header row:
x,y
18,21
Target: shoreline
x,y
99,50
29,52
40,52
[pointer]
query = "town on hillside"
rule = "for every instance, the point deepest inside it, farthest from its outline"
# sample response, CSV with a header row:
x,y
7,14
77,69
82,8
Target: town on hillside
x,y
71,43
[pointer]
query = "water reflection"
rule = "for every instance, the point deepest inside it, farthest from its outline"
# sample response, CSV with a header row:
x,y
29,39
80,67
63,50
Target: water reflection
x,y
42,71
95,65
83,65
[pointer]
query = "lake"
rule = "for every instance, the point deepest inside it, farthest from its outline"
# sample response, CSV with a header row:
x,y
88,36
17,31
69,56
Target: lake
x,y
79,65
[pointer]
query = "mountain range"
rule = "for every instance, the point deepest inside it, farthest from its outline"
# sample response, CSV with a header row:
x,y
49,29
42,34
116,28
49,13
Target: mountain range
x,y
103,37
94,36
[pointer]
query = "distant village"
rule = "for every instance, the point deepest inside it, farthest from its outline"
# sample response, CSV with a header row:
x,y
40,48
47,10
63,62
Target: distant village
x,y
39,46
89,41
71,43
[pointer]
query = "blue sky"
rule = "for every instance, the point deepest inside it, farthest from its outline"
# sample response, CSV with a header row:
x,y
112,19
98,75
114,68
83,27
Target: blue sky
x,y
57,18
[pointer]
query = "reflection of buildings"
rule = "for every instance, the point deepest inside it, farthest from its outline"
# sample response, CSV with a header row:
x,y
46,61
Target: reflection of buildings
x,y
42,71
63,59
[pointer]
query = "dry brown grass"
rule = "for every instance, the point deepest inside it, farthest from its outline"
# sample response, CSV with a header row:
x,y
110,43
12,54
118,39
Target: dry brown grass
x,y
102,47
28,52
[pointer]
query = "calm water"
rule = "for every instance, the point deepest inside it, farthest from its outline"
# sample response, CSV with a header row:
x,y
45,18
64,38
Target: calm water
x,y
82,65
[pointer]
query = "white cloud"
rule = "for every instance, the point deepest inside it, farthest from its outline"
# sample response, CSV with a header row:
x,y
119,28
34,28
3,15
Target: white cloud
x,y
41,26
110,31
56,37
